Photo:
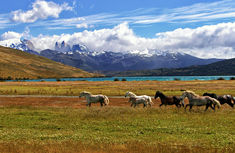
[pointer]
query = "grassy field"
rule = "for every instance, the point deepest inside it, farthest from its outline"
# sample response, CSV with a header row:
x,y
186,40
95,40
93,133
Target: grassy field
x,y
116,88
115,129
39,127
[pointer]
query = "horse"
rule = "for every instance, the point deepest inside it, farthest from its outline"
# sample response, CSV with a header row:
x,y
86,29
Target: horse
x,y
196,100
147,99
222,99
166,100
135,101
102,99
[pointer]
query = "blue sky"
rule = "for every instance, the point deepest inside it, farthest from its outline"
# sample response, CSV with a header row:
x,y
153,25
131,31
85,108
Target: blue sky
x,y
145,22
111,13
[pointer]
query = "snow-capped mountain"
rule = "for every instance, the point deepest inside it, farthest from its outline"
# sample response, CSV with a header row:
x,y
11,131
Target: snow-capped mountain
x,y
24,45
81,57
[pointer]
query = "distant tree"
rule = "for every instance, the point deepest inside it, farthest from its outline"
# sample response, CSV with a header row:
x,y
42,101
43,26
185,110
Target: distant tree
x,y
220,78
123,79
177,79
232,78
9,78
115,79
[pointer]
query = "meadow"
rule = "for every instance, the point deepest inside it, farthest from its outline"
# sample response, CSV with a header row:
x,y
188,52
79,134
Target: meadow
x,y
67,127
116,88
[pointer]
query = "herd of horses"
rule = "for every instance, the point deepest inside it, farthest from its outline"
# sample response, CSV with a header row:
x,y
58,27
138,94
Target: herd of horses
x,y
208,99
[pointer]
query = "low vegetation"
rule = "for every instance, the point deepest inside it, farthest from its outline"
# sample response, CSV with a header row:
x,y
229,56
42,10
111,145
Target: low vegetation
x,y
39,128
116,88
115,129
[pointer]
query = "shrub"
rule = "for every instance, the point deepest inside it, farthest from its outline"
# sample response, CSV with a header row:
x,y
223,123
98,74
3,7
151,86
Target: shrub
x,y
123,79
220,78
177,79
232,78
116,79
58,79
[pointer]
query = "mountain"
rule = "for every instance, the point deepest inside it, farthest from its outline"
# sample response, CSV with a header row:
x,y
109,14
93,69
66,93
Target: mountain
x,y
18,64
81,57
62,47
225,67
111,61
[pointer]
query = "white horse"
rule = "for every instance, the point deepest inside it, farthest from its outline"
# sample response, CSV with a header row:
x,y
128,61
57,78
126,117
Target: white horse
x,y
196,100
144,99
102,99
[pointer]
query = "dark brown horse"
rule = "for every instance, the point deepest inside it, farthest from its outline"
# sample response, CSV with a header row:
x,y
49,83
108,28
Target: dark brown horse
x,y
228,99
168,100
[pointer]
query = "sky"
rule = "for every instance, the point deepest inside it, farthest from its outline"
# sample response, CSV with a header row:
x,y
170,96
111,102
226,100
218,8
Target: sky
x,y
203,28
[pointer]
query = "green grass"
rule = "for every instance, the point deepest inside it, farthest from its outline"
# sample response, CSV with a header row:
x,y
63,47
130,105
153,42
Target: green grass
x,y
117,126
114,88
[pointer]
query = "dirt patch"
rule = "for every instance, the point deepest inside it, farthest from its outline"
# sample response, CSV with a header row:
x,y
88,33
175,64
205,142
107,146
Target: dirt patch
x,y
62,102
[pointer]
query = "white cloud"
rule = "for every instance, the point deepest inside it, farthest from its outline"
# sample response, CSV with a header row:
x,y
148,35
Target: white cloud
x,y
212,41
196,13
10,35
41,9
82,25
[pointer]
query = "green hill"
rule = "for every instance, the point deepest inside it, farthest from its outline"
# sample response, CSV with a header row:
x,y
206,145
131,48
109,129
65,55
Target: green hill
x,y
225,67
18,64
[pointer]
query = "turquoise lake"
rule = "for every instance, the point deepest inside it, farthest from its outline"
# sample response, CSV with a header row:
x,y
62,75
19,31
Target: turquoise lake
x,y
143,78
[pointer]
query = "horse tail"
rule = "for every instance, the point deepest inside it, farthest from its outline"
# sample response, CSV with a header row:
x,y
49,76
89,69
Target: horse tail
x,y
150,101
106,100
216,102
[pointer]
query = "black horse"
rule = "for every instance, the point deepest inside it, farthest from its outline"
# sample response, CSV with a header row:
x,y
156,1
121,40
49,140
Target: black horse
x,y
228,99
168,100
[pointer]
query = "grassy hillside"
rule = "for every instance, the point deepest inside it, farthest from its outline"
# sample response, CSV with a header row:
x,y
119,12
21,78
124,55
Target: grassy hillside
x,y
225,67
19,64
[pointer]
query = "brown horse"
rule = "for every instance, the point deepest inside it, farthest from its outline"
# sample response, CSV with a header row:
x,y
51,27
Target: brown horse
x,y
166,100
228,99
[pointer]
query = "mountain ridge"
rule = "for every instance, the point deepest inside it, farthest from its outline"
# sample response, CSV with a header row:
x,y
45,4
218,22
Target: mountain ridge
x,y
18,64
81,57
220,68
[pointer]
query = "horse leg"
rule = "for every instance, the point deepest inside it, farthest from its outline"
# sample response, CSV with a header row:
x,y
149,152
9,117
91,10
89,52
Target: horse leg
x,y
144,105
190,107
132,104
88,104
101,104
212,107
178,105
230,104
186,106
160,104
207,107
135,105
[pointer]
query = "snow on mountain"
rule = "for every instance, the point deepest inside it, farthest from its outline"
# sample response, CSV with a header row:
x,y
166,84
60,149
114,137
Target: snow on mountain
x,y
24,45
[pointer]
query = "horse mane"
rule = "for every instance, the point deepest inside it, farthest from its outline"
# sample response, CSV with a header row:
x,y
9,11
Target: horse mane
x,y
191,92
131,93
160,93
86,92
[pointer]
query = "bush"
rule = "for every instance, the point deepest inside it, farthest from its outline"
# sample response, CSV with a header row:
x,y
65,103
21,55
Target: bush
x,y
116,79
177,79
220,78
58,79
123,79
232,78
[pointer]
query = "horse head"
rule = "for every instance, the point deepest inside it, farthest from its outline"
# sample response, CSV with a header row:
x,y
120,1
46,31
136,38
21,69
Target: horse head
x,y
127,94
130,94
157,94
84,93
